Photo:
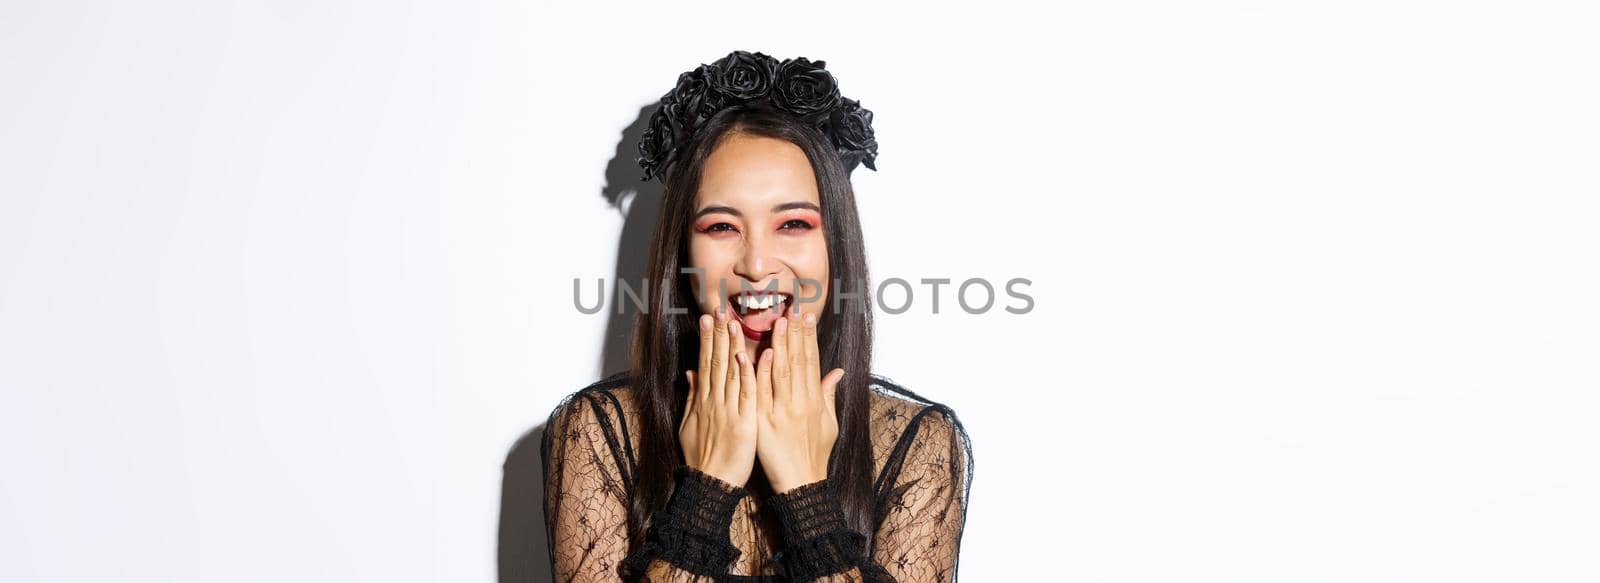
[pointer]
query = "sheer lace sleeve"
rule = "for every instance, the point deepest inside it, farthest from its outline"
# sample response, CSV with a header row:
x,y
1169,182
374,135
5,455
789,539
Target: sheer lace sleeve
x,y
586,506
924,510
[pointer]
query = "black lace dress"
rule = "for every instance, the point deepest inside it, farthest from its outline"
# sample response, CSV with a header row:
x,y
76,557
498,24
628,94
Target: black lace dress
x,y
714,531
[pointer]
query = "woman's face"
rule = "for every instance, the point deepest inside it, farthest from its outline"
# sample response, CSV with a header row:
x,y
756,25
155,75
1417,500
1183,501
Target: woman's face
x,y
757,225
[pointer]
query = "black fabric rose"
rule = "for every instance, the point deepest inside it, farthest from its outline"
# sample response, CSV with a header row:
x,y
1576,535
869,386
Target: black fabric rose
x,y
743,76
851,128
805,89
695,103
660,141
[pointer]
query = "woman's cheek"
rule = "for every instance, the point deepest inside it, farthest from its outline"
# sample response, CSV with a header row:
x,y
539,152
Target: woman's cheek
x,y
812,257
709,272
699,277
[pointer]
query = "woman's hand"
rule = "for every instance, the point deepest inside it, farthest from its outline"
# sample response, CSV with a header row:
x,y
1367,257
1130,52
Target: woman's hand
x,y
797,424
718,430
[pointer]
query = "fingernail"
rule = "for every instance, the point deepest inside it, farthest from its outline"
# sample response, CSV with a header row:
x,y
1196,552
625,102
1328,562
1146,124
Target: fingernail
x,y
810,318
705,322
782,326
739,356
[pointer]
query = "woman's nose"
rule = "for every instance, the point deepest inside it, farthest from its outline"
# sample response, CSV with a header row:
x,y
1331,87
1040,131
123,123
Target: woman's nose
x,y
756,263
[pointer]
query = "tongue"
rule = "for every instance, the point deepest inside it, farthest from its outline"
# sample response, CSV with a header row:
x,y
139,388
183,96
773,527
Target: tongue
x,y
760,320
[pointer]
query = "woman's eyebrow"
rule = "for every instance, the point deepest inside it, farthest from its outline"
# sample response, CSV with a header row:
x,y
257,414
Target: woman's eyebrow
x,y
796,205
735,212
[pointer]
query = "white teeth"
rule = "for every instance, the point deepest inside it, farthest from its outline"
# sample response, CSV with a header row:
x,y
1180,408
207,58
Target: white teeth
x,y
759,301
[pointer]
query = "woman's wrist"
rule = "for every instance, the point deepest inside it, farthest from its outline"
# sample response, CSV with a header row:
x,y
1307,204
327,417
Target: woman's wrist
x,y
787,481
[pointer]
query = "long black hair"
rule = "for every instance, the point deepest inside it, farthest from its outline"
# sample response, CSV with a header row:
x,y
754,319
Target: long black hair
x,y
665,344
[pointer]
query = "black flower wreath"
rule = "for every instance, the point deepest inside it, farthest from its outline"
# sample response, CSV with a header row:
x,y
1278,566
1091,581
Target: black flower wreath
x,y
797,86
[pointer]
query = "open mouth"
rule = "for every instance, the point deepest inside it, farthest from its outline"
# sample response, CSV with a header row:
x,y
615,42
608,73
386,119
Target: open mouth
x,y
758,310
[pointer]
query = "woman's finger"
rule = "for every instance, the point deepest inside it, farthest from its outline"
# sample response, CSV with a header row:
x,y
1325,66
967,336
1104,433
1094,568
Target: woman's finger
x,y
706,346
764,381
719,359
798,383
780,361
688,409
830,387
747,385
730,397
813,372
689,374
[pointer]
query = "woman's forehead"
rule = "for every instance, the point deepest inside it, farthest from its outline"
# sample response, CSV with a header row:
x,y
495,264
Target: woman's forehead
x,y
756,172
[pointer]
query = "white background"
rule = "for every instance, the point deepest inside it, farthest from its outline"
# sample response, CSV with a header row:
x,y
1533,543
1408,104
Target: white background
x,y
283,284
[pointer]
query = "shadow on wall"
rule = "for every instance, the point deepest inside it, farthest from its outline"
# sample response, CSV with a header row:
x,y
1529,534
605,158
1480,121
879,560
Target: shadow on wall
x,y
524,544
638,202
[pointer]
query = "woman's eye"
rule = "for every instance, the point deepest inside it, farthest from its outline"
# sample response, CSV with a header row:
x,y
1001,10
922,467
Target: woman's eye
x,y
798,224
719,227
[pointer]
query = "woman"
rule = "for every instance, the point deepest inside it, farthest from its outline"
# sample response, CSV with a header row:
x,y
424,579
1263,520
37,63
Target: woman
x,y
749,442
